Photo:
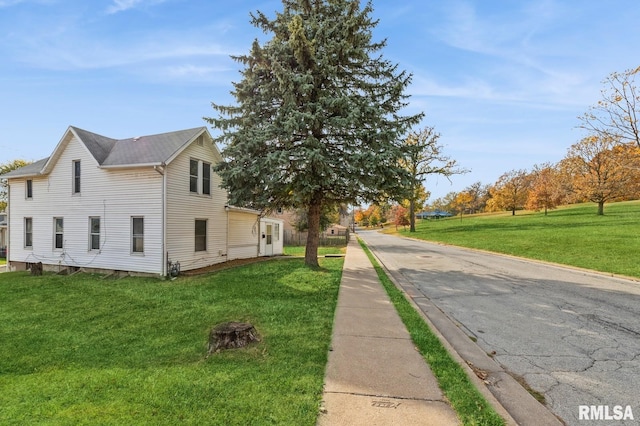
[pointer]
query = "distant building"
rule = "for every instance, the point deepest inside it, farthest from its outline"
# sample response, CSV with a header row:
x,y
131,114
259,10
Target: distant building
x,y
436,214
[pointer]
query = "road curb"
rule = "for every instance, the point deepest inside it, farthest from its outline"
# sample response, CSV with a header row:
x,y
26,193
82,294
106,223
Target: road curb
x,y
508,397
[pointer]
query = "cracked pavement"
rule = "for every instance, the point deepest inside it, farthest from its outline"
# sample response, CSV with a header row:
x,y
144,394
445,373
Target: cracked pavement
x,y
572,335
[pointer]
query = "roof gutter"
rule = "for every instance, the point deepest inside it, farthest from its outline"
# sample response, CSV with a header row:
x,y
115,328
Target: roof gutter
x,y
242,210
132,166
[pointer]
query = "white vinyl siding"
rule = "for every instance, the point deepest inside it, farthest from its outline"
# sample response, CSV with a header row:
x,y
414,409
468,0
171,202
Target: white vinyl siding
x,y
183,208
243,235
113,195
159,196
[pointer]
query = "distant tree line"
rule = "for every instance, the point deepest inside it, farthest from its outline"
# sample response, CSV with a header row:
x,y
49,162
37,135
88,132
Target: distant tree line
x,y
604,166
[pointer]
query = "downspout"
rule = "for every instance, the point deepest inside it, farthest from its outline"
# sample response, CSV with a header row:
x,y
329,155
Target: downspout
x,y
163,237
259,237
227,245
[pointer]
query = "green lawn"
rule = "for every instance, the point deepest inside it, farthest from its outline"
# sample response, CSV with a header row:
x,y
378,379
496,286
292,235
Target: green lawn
x,y
299,250
88,350
3,261
572,235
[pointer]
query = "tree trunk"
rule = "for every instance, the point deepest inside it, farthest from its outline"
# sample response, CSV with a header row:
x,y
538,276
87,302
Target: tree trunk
x,y
412,215
231,335
600,208
36,269
313,235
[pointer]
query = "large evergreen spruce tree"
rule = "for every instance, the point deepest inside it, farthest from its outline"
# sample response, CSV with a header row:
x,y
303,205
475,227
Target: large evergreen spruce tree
x,y
317,120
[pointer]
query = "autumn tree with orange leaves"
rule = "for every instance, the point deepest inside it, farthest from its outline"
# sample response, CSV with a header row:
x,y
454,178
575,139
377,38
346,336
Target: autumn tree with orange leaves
x,y
546,189
602,169
510,192
463,202
400,215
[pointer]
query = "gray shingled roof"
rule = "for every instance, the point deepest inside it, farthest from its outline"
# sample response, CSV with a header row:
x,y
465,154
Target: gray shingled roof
x,y
149,149
32,169
108,152
99,146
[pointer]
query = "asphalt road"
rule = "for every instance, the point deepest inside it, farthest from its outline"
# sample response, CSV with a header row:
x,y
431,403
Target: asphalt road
x,y
573,335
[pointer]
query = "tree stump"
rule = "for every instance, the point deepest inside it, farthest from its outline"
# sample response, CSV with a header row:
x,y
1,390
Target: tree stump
x,y
231,335
36,269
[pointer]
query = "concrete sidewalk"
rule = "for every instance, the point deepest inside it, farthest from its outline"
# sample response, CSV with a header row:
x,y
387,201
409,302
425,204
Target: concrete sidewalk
x,y
375,376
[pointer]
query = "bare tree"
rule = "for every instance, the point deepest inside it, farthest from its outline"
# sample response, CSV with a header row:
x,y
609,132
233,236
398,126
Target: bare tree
x,y
425,157
615,116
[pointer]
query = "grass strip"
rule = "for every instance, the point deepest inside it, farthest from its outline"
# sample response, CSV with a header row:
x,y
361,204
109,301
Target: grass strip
x,y
472,408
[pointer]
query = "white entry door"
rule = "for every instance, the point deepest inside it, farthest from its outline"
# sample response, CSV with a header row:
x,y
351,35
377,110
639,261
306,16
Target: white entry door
x,y
268,250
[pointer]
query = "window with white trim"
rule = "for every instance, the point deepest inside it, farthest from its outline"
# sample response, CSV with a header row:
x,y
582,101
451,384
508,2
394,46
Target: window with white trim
x,y
58,233
199,177
206,178
201,235
76,176
193,176
28,232
137,234
29,189
94,233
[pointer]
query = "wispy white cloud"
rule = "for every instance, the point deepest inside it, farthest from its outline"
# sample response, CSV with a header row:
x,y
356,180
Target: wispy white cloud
x,y
76,54
123,5
520,53
194,71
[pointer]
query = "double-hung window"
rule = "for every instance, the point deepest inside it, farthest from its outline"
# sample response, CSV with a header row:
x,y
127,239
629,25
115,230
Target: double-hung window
x,y
206,178
193,176
58,233
76,177
29,189
201,235
199,177
94,233
28,232
137,235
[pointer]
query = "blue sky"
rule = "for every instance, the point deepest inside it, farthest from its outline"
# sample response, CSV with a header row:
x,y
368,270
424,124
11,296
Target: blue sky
x,y
503,81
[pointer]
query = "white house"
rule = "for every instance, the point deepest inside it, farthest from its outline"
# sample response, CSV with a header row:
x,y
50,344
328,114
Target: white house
x,y
138,205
